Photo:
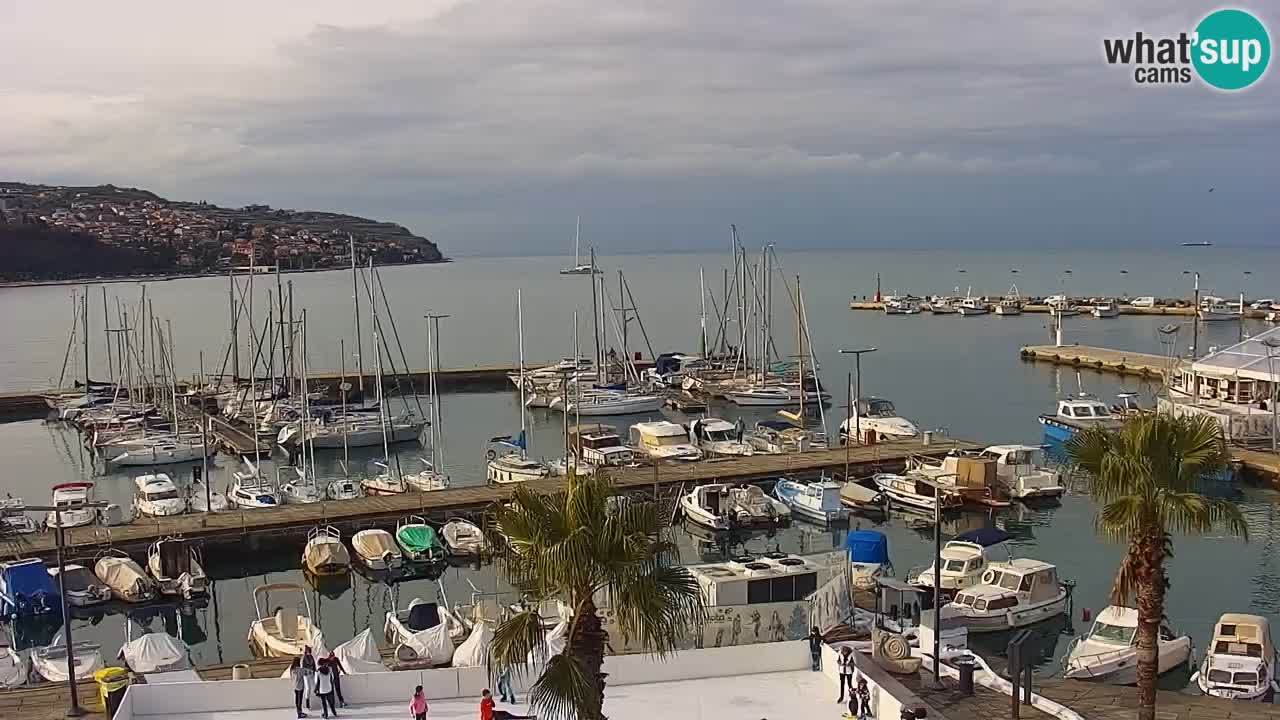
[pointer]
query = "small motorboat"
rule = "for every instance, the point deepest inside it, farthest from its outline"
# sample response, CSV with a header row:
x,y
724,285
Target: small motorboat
x,y
419,617
973,306
1105,310
916,491
14,519
1022,471
301,489
50,662
324,553
751,507
155,652
965,560
343,489
26,590
861,498
427,479
1075,413
708,506
1218,311
202,498
360,655
817,501
941,305
249,491
80,586
721,506
72,499
377,549
1109,652
419,541
718,438
157,496
126,578
1011,595
1240,662
175,564
868,552
506,463
288,630
776,437
663,440
14,667
464,539
877,420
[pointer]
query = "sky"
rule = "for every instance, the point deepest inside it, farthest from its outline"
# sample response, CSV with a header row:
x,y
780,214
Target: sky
x,y
490,125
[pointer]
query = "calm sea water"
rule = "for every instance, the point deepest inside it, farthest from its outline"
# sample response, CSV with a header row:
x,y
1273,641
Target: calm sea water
x,y
961,374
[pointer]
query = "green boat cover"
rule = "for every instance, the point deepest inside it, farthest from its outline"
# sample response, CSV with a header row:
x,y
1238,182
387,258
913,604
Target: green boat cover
x,y
420,541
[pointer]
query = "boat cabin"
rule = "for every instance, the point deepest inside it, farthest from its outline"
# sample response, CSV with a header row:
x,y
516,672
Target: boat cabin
x,y
1240,660
599,445
153,488
713,430
1021,581
1246,636
1083,408
876,408
661,438
966,559
774,577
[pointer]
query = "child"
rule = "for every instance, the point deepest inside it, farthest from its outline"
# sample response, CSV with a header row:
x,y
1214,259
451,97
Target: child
x,y
845,661
488,713
418,705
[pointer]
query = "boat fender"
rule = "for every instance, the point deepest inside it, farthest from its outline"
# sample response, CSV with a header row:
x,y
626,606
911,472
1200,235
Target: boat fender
x,y
988,576
490,454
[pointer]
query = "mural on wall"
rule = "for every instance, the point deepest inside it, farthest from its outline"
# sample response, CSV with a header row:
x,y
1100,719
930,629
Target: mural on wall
x,y
832,602
727,626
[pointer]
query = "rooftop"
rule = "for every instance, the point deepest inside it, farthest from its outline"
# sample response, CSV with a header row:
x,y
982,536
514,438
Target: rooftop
x,y
1247,359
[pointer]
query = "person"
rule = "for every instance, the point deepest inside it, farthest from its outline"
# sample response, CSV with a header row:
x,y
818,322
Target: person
x,y
335,668
299,685
324,688
845,662
309,673
815,648
864,700
487,711
505,690
418,704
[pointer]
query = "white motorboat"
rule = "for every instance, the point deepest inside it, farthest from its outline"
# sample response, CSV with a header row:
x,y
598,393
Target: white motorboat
x,y
14,667
126,578
718,438
1240,662
154,451
973,306
965,559
915,491
420,616
1109,651
324,553
175,565
71,499
202,498
157,496
427,479
249,490
1105,310
515,468
663,440
1214,310
343,489
1011,303
817,501
596,446
776,437
1060,305
939,305
1022,471
901,306
50,662
14,519
464,539
708,506
1075,413
879,416
155,652
751,507
383,482
1011,595
377,549
80,586
287,631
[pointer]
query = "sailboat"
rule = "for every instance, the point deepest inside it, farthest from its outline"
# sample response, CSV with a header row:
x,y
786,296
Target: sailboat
x,y
508,461
431,477
303,488
383,482
578,268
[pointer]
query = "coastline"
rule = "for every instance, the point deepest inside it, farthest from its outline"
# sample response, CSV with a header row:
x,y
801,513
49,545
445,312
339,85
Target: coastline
x,y
165,277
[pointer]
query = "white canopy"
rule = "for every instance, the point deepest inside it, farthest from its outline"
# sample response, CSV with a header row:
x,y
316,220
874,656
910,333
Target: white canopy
x,y
360,654
474,651
433,644
1247,359
155,652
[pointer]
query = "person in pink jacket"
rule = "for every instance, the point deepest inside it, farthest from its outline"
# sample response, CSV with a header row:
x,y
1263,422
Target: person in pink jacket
x,y
418,704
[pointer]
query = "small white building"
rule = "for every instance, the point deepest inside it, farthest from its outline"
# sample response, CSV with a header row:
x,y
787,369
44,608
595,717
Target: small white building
x,y
1236,385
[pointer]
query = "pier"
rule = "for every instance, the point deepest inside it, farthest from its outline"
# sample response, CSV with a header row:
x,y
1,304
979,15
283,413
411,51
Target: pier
x,y
273,524
1120,362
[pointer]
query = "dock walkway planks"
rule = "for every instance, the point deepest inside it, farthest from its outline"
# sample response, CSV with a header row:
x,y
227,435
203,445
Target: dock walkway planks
x,y
1121,362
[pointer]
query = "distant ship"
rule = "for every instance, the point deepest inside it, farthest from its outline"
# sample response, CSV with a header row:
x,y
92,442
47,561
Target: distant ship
x,y
1197,244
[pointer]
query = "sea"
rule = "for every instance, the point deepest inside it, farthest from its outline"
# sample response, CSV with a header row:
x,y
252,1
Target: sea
x,y
959,376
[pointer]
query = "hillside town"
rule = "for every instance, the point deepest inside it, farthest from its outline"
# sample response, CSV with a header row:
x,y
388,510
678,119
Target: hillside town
x,y
196,237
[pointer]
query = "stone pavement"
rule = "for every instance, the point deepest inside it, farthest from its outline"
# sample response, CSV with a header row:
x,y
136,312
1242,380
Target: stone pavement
x,y
1096,701
984,704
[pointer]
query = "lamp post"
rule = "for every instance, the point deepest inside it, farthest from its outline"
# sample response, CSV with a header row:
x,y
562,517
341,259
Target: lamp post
x,y
1271,344
1195,316
1244,286
855,394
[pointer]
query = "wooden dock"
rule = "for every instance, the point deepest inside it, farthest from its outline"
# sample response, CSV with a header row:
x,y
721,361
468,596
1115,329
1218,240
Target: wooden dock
x,y
1120,362
253,526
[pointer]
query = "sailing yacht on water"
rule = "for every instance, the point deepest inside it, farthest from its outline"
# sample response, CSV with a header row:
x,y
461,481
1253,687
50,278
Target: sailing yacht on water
x,y
508,461
303,489
431,477
578,268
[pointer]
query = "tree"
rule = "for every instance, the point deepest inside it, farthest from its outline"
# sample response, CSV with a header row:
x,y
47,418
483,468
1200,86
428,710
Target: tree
x,y
1145,476
580,546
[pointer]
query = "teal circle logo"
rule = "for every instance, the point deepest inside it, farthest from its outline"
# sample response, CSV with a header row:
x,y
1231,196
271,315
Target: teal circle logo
x,y
1232,49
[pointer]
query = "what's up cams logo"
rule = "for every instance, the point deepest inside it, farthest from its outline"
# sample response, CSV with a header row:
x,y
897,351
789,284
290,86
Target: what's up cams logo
x,y
1229,50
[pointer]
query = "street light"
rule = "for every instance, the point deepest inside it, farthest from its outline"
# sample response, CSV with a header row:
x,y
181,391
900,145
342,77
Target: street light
x,y
1195,316
850,413
1271,344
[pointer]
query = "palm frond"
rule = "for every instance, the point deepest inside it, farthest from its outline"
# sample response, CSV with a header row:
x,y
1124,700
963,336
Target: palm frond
x,y
658,607
515,640
1121,519
1125,583
563,690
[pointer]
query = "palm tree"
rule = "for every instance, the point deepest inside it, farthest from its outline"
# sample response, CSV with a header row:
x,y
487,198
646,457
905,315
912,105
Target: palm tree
x,y
1145,475
580,546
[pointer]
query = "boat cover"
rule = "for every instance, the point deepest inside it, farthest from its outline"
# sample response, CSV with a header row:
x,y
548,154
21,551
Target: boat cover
x,y
855,493
13,668
464,536
376,544
474,651
432,645
986,537
28,588
326,554
418,539
360,654
867,546
155,652
123,575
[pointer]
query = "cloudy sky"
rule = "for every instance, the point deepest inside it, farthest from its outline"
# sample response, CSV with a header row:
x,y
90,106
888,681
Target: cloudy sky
x,y
488,125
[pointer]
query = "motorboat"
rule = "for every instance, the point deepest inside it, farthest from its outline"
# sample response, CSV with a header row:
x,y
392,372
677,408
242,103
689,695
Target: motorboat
x,y
965,559
817,501
427,479
868,552
157,496
515,468
288,630
80,586
901,306
1011,595
72,500
973,306
1240,662
324,553
15,668
126,578
708,506
1075,413
301,489
663,440
718,438
1023,472
155,652
464,539
776,437
720,506
1109,651
249,490
861,498
360,655
14,519
916,491
175,565
50,662
939,305
202,498
1212,310
966,473
383,482
596,446
26,590
377,549
878,416
343,488
1011,303
1105,310
419,541
1060,306
419,616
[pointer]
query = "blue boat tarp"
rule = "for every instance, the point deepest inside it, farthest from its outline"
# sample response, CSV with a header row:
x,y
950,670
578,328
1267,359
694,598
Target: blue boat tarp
x,y
26,589
986,537
867,546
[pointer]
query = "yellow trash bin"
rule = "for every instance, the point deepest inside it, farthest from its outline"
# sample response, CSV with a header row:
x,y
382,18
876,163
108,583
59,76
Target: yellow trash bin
x,y
112,683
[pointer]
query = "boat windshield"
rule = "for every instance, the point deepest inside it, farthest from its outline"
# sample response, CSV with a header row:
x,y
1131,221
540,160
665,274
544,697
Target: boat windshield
x,y
881,409
719,435
162,495
955,566
1009,581
1113,634
668,440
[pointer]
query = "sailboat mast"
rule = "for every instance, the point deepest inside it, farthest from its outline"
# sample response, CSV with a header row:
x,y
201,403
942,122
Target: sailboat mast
x,y
800,347
306,403
106,337
355,296
343,386
577,227
235,329
173,376
702,322
253,365
595,321
84,321
377,378
524,440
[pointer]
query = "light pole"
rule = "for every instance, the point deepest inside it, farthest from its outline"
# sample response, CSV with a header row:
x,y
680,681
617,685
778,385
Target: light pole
x,y
1244,286
1271,344
850,411
1195,315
